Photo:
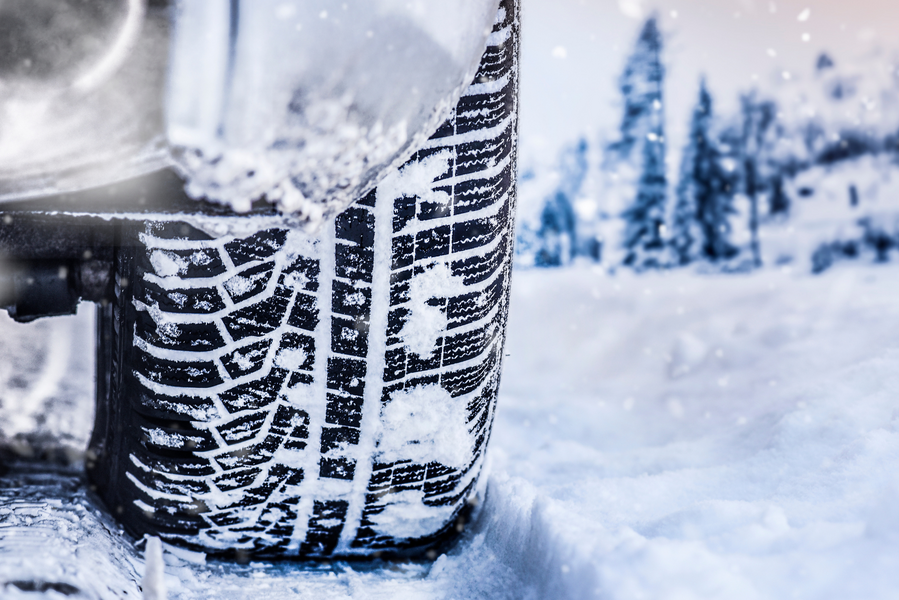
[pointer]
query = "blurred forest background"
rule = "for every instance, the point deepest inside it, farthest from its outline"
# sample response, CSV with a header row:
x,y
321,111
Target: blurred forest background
x,y
789,167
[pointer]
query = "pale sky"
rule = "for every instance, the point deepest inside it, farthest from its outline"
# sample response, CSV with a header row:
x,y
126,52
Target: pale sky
x,y
573,51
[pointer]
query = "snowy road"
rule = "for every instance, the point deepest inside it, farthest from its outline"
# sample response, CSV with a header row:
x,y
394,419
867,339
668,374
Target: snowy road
x,y
667,436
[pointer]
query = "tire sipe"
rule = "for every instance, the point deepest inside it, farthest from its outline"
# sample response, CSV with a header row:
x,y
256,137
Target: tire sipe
x,y
279,395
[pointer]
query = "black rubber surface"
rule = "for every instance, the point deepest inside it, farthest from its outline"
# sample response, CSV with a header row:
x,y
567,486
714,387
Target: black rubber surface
x,y
243,380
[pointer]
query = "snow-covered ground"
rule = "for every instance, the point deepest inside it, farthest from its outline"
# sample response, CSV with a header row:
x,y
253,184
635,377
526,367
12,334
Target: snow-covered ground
x,y
663,436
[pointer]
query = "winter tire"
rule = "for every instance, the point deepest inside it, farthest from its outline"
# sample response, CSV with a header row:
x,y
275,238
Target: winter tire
x,y
276,394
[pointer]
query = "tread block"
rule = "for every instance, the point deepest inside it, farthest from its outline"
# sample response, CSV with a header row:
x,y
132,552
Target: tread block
x,y
179,487
417,364
396,320
249,283
368,199
477,232
480,268
237,479
194,263
337,468
276,515
356,224
446,129
226,518
303,274
465,381
477,405
477,194
474,157
294,444
257,319
242,428
440,487
449,156
350,300
468,345
344,410
247,359
297,352
394,364
403,212
400,287
171,408
177,336
255,394
193,374
285,474
349,336
290,421
191,466
484,111
186,301
298,378
346,375
304,314
413,382
475,306
432,243
263,491
157,437
408,474
380,476
259,246
435,210
335,437
324,526
353,262
249,456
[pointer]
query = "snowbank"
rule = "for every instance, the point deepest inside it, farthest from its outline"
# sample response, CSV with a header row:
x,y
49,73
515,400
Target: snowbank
x,y
711,437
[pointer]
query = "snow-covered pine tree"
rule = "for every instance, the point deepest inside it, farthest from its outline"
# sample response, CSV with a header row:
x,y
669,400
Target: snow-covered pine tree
x,y
641,89
684,223
644,220
685,238
557,232
566,230
642,137
700,225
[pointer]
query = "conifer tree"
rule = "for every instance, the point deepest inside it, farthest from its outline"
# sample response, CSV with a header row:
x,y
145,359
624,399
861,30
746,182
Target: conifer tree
x,y
641,89
700,223
644,246
685,234
557,232
642,138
